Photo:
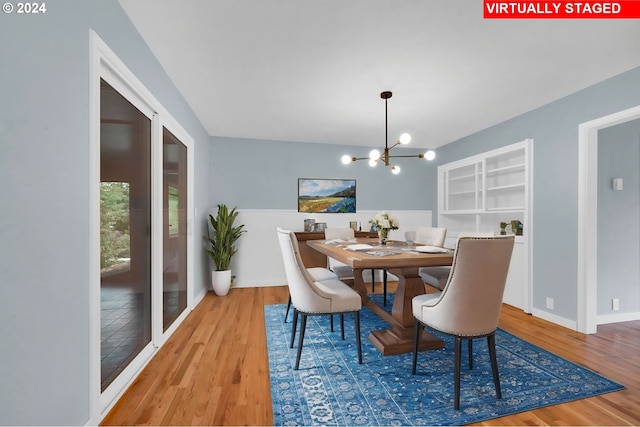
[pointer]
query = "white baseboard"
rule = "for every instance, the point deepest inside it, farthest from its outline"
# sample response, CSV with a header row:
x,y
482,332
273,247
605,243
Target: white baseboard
x,y
600,320
617,318
554,318
198,298
259,284
259,263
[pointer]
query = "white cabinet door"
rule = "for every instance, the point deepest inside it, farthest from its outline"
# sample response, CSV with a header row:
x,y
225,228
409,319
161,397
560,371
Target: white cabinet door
x,y
515,292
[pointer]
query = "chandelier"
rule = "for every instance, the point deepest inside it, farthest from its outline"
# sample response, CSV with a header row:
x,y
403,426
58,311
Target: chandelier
x,y
376,156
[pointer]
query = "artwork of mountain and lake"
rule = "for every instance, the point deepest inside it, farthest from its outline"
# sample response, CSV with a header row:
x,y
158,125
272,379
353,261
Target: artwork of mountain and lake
x,y
326,195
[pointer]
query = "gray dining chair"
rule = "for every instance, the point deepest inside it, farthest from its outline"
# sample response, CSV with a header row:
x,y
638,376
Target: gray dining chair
x,y
469,305
310,297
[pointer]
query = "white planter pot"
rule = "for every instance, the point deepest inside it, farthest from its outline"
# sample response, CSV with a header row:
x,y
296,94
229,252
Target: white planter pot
x,y
221,282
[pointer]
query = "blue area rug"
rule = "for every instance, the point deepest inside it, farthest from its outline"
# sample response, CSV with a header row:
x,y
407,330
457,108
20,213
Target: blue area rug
x,y
331,388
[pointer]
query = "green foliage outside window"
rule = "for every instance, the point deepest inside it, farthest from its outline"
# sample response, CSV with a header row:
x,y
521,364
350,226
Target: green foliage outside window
x,y
114,223
174,204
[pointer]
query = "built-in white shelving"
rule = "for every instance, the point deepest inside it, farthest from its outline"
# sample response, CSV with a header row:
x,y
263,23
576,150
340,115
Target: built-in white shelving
x,y
477,193
495,181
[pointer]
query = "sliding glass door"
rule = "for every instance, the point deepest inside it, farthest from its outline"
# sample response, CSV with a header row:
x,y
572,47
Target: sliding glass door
x,y
141,210
125,238
174,229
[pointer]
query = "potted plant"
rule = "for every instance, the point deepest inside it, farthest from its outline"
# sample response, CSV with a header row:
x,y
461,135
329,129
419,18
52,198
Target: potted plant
x,y
503,228
225,235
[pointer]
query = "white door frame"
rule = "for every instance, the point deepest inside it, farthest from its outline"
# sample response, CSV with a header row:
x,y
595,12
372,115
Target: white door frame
x,y
588,214
105,63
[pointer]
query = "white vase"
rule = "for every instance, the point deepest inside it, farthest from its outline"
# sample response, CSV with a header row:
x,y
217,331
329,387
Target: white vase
x,y
221,282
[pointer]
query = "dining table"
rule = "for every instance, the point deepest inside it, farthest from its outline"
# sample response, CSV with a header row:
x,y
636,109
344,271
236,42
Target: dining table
x,y
402,260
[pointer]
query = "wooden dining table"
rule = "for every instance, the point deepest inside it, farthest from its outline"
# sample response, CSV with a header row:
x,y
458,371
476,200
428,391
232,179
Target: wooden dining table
x,y
404,263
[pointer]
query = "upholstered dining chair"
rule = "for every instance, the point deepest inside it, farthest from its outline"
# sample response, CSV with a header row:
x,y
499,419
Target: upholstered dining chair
x,y
318,274
342,270
432,236
437,277
310,297
469,305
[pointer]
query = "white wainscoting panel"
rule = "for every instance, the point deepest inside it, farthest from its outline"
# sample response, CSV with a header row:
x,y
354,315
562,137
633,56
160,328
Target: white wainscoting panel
x,y
258,261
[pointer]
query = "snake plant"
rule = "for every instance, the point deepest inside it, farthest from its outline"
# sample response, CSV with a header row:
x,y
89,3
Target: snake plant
x,y
225,235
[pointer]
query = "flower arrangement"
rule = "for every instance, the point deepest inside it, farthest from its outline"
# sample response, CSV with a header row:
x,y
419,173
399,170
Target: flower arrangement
x,y
383,223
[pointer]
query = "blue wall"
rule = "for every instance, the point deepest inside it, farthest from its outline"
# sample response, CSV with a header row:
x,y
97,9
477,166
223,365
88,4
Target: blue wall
x,y
245,172
554,129
44,184
260,174
44,188
619,218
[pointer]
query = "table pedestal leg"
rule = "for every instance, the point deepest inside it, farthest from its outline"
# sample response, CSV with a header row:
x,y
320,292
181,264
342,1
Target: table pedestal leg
x,y
358,284
399,338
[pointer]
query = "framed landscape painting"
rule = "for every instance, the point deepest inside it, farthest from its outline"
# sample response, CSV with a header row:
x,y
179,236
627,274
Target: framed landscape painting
x,y
326,195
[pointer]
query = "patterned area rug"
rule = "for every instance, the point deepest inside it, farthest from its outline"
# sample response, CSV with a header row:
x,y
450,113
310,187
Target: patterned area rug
x,y
331,388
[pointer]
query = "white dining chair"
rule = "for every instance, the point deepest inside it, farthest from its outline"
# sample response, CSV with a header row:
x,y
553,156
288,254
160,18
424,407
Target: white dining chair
x,y
342,270
432,236
318,274
310,297
469,305
345,272
437,276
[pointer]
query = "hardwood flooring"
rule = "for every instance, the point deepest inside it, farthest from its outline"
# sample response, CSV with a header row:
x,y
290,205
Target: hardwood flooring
x,y
214,369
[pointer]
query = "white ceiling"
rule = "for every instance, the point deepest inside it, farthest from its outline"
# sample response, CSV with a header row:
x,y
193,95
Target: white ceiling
x,y
313,70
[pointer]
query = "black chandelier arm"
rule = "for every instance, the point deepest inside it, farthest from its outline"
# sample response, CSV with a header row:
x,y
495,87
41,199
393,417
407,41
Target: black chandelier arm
x,y
420,156
385,159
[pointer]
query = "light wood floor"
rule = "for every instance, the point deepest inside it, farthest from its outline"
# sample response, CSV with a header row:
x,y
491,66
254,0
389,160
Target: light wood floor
x,y
214,369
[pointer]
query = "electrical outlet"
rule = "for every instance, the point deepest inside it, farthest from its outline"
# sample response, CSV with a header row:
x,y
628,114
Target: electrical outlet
x,y
615,304
550,303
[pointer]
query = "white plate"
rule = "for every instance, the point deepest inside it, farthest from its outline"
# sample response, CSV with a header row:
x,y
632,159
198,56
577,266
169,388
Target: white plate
x,y
431,249
359,247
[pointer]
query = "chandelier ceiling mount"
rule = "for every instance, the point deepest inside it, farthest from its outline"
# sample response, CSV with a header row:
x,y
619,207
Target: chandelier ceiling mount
x,y
376,156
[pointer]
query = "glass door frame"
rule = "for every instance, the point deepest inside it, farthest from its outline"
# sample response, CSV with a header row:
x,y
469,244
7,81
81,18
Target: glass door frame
x,y
104,64
157,187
